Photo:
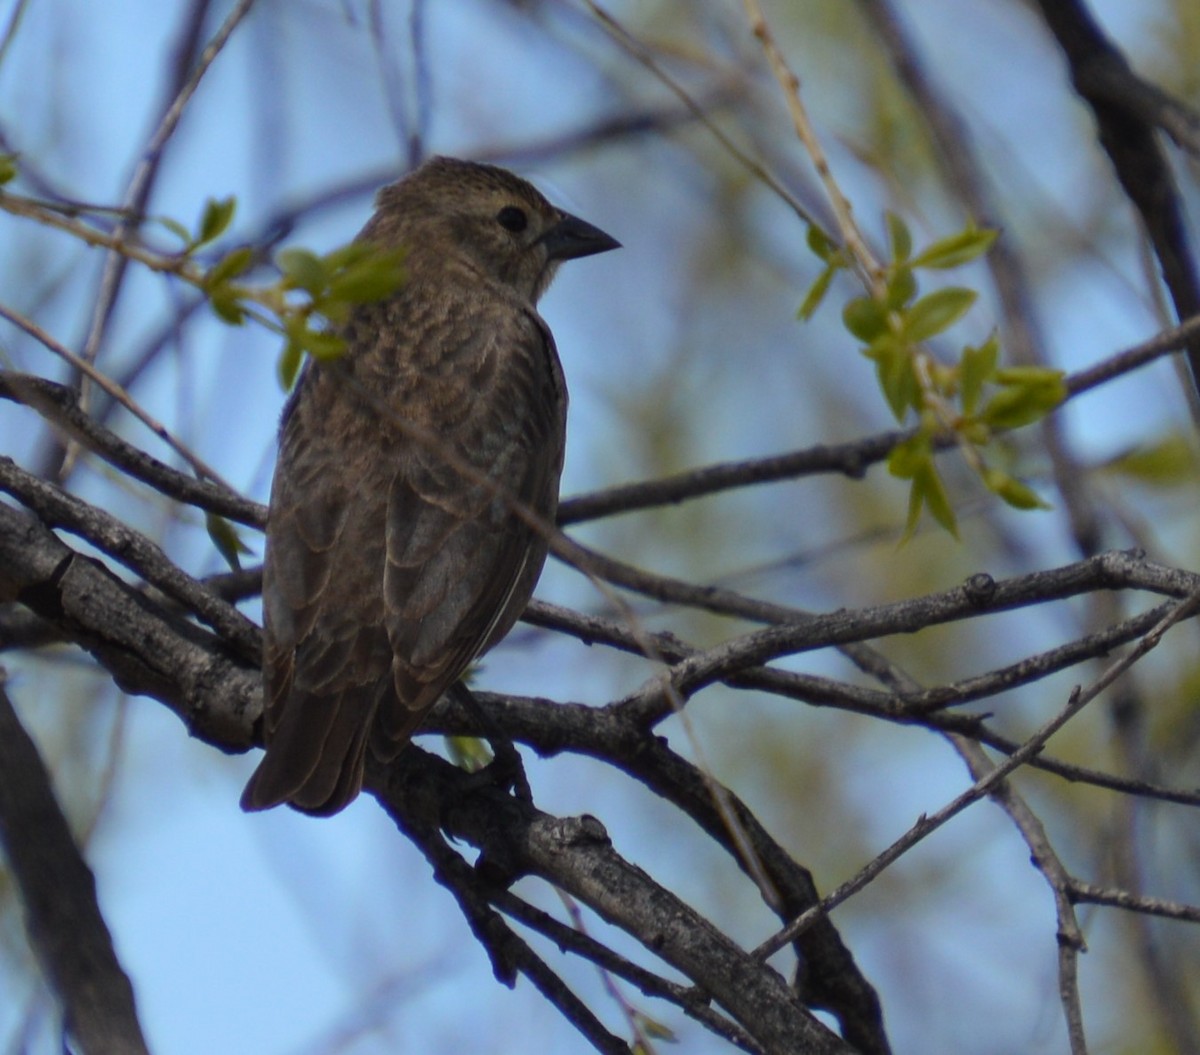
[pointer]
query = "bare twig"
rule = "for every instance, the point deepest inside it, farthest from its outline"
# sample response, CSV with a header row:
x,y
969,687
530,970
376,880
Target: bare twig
x,y
850,459
642,54
1143,170
59,405
114,390
687,998
864,260
926,824
575,854
187,80
1096,895
11,27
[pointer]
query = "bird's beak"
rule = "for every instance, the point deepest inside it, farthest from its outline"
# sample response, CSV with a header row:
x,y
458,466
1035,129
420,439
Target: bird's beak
x,y
572,238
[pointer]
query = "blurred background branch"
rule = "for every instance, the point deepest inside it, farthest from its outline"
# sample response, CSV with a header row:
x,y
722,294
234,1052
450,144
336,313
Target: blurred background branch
x,y
750,730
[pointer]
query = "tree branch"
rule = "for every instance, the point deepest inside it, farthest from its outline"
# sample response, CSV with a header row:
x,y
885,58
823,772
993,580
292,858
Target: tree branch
x,y
58,892
575,854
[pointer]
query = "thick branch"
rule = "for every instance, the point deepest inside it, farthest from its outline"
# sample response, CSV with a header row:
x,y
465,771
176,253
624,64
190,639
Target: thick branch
x,y
56,508
575,854
146,649
58,891
1104,80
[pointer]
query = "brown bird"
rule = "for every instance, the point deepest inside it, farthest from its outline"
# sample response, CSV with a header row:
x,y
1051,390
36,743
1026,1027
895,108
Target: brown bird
x,y
388,569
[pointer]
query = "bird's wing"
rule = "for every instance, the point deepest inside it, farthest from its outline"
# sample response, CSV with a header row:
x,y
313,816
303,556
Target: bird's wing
x,y
460,563
327,658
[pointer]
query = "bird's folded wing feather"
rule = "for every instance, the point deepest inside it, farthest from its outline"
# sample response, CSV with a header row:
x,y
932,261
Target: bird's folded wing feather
x,y
460,561
326,659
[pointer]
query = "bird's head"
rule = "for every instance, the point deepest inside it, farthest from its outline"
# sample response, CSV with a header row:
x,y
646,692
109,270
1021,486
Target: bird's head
x,y
495,221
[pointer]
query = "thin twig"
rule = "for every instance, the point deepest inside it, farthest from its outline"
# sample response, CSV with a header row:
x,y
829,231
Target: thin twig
x,y
138,191
1150,906
10,30
58,892
643,55
850,459
59,405
114,390
864,260
690,1000
1079,699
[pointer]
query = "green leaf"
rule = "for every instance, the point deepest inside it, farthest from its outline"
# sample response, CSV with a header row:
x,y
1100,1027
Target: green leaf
x,y
226,538
229,266
218,215
350,254
820,243
654,1029
227,304
928,492
865,318
816,293
913,518
370,279
178,230
936,312
8,168
289,364
1021,404
907,457
1012,490
975,433
1168,462
894,368
303,270
933,493
323,345
956,249
901,288
978,366
1029,375
898,237
468,752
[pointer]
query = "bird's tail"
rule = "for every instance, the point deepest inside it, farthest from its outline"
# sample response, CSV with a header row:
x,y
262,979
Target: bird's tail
x,y
315,758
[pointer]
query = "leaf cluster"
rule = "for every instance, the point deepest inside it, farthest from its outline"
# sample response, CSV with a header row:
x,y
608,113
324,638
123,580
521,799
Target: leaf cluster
x,y
970,399
334,284
310,298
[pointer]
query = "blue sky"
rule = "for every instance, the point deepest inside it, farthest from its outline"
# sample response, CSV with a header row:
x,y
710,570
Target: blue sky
x,y
278,935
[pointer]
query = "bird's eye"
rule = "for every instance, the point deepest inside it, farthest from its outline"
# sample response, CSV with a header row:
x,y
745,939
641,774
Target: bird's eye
x,y
512,218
